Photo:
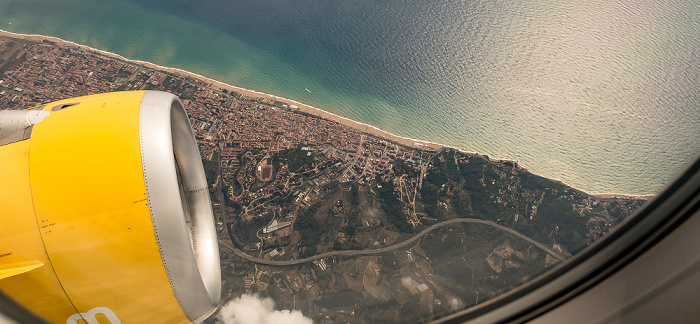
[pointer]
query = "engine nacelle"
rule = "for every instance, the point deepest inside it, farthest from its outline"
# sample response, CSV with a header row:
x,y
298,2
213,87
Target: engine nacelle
x,y
105,212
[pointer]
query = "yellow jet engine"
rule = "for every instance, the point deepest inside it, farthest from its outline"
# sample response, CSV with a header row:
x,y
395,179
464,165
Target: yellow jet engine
x,y
105,214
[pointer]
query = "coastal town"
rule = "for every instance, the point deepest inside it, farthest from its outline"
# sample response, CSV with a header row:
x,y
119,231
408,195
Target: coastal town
x,y
338,219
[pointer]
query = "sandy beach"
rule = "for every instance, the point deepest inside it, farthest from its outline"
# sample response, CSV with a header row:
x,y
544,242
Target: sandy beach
x,y
369,129
622,196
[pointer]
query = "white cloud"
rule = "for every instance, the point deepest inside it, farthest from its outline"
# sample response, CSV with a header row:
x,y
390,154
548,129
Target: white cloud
x,y
251,309
455,304
408,282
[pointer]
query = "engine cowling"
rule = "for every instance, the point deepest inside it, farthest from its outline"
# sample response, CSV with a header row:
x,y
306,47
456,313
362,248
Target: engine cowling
x,y
105,212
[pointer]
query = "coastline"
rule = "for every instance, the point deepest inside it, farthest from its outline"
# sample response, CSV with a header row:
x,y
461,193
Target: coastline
x,y
362,127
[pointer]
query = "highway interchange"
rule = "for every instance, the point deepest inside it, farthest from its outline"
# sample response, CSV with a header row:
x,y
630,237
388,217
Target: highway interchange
x,y
238,252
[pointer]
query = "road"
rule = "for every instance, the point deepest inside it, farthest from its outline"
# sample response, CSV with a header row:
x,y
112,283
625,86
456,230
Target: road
x,y
413,239
357,156
221,193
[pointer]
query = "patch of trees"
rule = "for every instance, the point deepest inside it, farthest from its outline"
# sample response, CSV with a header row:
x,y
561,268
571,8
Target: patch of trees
x,y
354,195
461,202
296,158
572,227
392,206
473,169
350,230
232,203
535,182
244,230
401,168
469,195
309,227
210,169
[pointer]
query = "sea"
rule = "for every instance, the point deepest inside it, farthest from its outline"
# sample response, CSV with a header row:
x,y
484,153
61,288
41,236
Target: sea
x,y
601,94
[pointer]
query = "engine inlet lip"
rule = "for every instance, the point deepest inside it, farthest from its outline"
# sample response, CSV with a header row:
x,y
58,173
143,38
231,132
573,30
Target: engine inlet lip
x,y
179,204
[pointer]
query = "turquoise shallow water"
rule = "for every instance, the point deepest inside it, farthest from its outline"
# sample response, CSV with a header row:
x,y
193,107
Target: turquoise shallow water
x,y
604,95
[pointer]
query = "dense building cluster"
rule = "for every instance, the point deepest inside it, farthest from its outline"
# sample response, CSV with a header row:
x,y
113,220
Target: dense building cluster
x,y
35,73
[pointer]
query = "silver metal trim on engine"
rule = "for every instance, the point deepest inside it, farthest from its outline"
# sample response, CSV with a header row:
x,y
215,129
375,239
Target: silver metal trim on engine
x,y
179,203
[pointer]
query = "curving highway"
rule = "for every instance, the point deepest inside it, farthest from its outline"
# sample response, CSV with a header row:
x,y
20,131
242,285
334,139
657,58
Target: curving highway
x,y
388,248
